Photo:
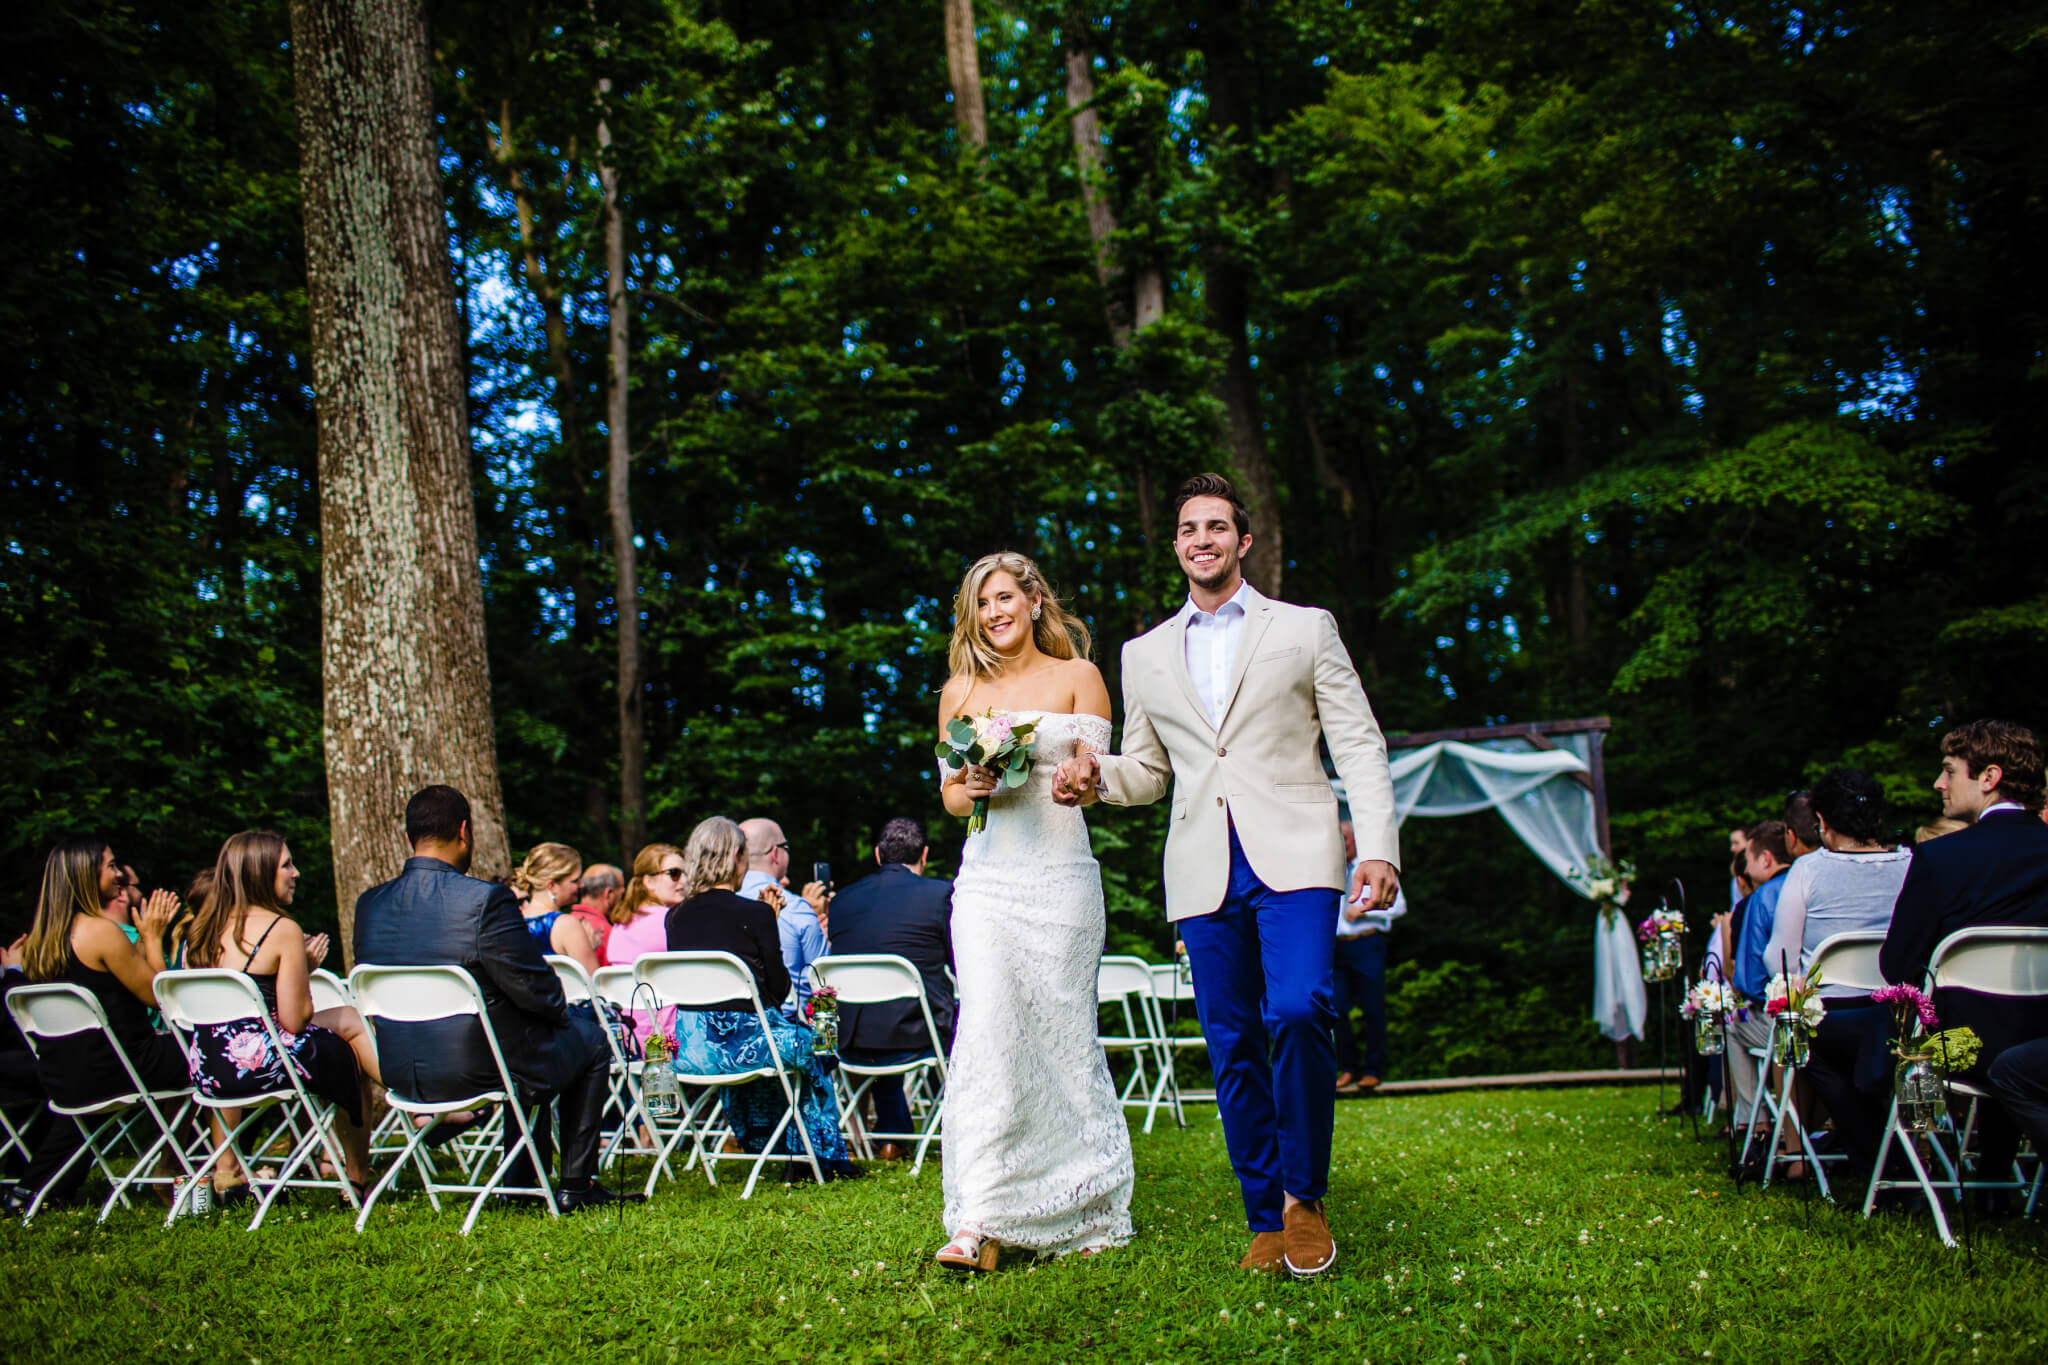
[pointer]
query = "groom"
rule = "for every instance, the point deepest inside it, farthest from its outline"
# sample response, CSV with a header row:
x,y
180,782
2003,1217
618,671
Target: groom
x,y
1229,698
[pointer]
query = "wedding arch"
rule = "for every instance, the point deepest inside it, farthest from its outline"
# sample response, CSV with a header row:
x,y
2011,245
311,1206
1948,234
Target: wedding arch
x,y
1547,781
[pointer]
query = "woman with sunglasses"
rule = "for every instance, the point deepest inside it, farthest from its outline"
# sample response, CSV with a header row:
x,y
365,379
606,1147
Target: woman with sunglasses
x,y
639,920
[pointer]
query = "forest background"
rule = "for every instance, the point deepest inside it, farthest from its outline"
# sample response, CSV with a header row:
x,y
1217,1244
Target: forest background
x,y
1677,363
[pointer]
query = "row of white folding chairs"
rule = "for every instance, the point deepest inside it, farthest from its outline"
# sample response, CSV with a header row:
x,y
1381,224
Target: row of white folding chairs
x,y
2008,961
1129,986
868,979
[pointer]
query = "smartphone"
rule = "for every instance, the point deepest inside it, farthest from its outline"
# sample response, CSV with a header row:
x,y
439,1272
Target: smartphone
x,y
822,872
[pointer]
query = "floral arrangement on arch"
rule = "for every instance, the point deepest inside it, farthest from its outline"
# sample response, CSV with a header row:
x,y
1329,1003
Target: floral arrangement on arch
x,y
1608,883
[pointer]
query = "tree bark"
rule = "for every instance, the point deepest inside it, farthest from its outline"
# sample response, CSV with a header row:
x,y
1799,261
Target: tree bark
x,y
1149,294
625,560
1227,288
406,683
963,71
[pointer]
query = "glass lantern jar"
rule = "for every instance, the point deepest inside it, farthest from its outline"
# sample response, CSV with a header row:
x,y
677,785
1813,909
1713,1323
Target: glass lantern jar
x,y
659,1094
1917,1088
824,1024
1708,1037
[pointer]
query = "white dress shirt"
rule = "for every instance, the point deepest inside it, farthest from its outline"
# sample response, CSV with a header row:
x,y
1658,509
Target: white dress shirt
x,y
1212,638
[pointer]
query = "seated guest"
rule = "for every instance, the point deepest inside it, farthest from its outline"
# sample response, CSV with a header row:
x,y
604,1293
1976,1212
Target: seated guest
x,y
2020,1080
73,940
546,884
1767,860
726,1037
243,926
640,923
432,914
1994,872
897,910
1849,885
597,893
1802,831
799,923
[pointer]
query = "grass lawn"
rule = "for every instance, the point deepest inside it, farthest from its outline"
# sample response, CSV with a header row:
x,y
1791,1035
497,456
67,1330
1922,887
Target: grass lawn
x,y
1481,1226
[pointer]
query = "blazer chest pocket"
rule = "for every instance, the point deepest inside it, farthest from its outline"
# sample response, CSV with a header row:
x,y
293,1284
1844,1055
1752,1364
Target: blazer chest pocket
x,y
1274,655
1305,792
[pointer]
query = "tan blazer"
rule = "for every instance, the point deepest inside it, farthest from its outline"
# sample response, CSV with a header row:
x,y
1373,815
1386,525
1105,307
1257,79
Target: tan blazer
x,y
1292,680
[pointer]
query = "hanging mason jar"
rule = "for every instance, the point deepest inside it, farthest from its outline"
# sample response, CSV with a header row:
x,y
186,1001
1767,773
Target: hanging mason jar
x,y
1918,1091
1672,953
1707,1036
824,1024
659,1093
1792,1044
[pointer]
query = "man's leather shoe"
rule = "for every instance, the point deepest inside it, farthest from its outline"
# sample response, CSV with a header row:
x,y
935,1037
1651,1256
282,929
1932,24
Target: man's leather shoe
x,y
889,1151
1347,1084
1310,1248
1368,1081
596,1196
1268,1254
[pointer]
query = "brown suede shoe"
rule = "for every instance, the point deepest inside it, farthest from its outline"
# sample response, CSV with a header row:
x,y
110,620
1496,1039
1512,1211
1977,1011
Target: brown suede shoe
x,y
1310,1248
1268,1254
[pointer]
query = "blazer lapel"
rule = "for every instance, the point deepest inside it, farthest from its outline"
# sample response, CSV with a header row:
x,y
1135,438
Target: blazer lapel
x,y
1175,637
1258,615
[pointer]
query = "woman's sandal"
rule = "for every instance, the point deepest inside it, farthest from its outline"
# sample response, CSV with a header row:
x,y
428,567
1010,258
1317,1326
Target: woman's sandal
x,y
969,1252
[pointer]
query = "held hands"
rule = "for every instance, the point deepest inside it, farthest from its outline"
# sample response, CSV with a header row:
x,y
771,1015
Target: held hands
x,y
1076,782
1374,884
316,950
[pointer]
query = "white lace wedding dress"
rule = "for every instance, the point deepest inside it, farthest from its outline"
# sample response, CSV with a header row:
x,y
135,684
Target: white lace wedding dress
x,y
1036,1151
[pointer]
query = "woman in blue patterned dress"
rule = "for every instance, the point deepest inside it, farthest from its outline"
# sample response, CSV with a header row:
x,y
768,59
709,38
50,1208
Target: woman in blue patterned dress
x,y
727,1036
546,884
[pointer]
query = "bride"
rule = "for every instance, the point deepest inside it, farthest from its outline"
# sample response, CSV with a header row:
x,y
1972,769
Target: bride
x,y
1037,1155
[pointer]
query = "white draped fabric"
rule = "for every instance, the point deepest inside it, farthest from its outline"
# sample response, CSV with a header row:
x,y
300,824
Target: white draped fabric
x,y
1539,793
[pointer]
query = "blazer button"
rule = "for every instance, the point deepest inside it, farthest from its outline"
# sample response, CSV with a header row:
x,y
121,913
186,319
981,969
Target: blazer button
x,y
1219,800
1221,751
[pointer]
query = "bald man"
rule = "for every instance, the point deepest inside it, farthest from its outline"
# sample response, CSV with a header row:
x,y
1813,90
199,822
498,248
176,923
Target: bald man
x,y
800,923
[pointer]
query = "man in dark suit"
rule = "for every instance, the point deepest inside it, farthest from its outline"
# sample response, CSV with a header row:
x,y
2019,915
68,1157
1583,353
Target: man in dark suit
x,y
433,914
1993,872
897,910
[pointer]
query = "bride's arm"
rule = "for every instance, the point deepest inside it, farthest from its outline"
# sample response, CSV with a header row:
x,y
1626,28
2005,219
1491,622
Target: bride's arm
x,y
959,788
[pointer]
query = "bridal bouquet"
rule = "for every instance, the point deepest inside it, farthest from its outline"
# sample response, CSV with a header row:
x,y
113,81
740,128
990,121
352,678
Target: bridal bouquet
x,y
990,740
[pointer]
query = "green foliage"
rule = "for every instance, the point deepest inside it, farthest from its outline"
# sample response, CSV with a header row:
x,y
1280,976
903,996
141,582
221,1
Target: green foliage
x,y
1509,1225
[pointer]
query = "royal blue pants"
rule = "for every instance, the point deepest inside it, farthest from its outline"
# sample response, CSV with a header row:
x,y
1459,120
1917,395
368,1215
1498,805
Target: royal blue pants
x,y
1263,993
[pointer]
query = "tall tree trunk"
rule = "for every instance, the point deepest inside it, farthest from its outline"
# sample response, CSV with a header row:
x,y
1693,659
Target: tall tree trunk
x,y
625,563
1228,292
1149,295
963,71
406,682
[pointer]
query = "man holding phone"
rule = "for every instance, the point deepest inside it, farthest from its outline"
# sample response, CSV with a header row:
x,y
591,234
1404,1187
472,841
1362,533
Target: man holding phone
x,y
801,923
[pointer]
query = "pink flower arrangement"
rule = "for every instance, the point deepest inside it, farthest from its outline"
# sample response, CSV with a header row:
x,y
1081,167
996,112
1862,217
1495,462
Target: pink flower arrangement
x,y
1906,1001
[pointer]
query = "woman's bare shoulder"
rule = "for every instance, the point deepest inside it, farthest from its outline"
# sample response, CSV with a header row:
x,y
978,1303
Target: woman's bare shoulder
x,y
953,696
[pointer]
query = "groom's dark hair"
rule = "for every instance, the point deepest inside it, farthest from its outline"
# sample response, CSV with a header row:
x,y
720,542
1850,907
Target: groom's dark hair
x,y
1213,486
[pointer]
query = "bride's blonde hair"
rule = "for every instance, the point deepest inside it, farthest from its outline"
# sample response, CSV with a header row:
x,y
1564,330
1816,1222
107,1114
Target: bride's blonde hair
x,y
1057,634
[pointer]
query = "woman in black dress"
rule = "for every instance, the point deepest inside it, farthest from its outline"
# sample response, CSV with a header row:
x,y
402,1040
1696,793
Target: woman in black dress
x,y
73,941
243,926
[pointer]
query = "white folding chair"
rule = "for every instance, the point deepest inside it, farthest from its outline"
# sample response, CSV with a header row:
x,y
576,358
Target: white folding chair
x,y
622,1097
198,997
393,995
1841,960
877,979
1176,998
2010,961
329,991
59,1009
693,981
1119,982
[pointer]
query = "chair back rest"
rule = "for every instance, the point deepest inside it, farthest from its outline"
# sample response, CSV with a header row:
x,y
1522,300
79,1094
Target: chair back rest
x,y
329,991
56,1009
615,984
1166,983
413,994
1118,977
1849,960
1992,959
869,978
693,980
191,997
576,985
